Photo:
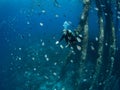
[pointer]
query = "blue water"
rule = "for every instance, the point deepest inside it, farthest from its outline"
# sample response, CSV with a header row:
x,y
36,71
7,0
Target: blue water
x,y
24,43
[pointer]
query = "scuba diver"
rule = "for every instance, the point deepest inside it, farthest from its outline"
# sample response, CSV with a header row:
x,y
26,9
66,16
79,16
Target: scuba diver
x,y
73,40
70,37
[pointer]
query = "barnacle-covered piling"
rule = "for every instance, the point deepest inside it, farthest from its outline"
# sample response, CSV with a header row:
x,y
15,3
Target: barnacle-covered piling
x,y
84,27
101,46
112,43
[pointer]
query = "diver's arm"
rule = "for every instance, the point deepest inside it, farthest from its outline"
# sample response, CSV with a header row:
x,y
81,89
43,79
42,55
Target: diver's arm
x,y
63,36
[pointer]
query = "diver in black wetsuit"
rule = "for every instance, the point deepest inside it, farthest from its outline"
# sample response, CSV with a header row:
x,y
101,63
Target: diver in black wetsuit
x,y
69,37
73,39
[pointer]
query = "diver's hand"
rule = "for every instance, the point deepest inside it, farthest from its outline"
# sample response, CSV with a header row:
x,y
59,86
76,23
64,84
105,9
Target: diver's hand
x,y
57,42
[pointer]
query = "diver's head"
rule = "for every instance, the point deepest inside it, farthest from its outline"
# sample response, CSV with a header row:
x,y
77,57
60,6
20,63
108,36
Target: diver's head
x,y
66,25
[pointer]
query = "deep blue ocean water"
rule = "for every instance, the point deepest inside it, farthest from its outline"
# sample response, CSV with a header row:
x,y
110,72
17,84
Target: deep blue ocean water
x,y
29,57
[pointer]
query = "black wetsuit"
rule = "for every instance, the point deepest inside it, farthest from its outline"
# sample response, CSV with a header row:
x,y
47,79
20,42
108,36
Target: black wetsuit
x,y
69,37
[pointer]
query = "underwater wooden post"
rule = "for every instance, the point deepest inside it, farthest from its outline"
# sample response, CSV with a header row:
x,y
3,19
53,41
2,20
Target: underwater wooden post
x,y
117,14
83,27
84,17
112,46
100,47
